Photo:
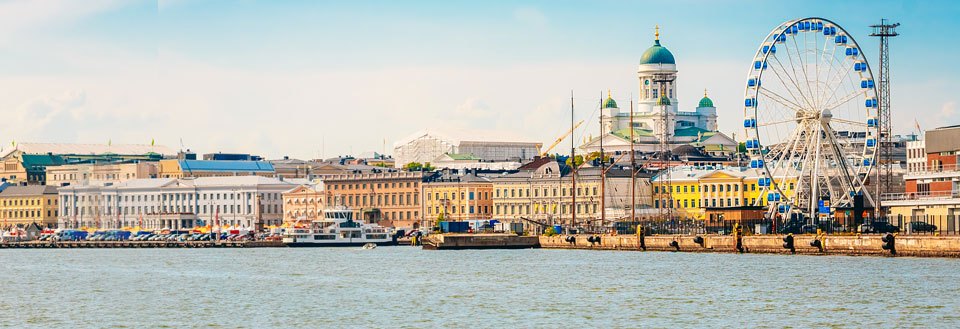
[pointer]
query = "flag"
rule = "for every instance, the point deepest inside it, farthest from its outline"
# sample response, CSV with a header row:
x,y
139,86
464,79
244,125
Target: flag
x,y
916,124
152,141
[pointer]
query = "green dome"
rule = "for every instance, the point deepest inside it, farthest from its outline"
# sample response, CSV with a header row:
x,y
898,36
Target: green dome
x,y
705,102
663,100
609,103
657,54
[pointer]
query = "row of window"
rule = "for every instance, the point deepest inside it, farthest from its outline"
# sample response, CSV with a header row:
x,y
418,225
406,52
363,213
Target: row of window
x,y
196,209
453,196
10,214
453,210
405,199
519,193
27,202
710,188
364,186
526,209
687,203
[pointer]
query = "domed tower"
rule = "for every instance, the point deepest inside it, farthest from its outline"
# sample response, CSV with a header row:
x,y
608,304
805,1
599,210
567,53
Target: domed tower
x,y
707,113
657,61
609,110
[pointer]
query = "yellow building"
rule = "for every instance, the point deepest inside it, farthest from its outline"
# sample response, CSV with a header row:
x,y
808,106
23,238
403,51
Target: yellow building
x,y
303,203
689,190
541,193
458,197
22,205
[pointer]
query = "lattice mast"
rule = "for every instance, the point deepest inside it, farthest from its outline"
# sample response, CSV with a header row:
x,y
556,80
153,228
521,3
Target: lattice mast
x,y
663,147
884,31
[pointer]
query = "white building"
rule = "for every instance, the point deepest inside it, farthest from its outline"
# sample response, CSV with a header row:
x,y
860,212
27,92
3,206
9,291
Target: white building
x,y
657,77
431,147
916,156
244,201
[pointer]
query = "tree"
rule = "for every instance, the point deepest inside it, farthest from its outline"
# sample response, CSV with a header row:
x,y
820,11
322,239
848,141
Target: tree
x,y
413,166
577,160
427,167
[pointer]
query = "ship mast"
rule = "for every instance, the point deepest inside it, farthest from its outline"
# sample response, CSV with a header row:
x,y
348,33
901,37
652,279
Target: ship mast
x,y
633,170
573,166
603,196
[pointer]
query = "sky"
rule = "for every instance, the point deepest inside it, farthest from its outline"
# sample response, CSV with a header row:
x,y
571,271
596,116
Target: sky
x,y
311,79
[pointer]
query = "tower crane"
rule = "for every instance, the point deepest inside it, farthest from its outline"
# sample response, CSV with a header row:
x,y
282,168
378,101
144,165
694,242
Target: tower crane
x,y
560,139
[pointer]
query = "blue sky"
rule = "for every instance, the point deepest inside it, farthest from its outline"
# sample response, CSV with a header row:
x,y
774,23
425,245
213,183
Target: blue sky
x,y
317,78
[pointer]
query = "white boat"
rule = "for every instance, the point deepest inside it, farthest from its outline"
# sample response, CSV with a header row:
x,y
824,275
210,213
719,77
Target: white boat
x,y
337,228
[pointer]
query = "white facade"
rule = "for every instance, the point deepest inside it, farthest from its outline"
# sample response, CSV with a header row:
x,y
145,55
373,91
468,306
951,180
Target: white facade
x,y
242,201
426,147
916,156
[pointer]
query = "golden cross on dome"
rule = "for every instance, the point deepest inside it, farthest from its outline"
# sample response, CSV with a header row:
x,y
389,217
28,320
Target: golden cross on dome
x,y
656,33
608,93
704,92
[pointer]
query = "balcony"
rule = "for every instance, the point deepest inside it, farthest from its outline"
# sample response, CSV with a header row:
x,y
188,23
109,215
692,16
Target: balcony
x,y
921,198
951,170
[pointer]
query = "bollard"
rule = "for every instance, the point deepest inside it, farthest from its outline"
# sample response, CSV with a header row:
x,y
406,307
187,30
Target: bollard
x,y
788,243
889,243
640,238
698,240
675,245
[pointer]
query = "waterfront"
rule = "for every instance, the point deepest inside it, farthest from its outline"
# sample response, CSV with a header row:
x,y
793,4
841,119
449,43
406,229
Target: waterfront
x,y
407,287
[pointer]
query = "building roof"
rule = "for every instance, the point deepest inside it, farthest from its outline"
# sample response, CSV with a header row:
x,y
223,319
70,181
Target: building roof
x,y
705,101
657,54
88,149
462,156
30,190
43,160
226,165
536,163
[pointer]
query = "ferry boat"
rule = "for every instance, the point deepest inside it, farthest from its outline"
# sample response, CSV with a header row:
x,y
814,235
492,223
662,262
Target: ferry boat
x,y
337,228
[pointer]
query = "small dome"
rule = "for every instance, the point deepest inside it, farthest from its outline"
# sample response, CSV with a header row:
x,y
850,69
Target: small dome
x,y
609,103
657,54
663,100
687,150
705,101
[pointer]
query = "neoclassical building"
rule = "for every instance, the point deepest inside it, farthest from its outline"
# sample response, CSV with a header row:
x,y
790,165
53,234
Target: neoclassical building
x,y
657,77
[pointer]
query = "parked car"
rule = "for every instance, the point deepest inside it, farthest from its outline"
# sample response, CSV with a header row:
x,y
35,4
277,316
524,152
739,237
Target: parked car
x,y
922,227
796,226
878,227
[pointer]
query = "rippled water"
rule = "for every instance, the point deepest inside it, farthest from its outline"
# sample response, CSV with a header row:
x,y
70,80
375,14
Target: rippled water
x,y
408,287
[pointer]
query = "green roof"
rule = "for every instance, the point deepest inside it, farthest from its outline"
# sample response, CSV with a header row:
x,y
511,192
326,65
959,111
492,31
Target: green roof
x,y
705,102
688,131
462,156
657,54
610,103
637,132
32,160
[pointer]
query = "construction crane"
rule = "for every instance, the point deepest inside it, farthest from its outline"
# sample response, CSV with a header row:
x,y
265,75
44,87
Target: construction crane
x,y
560,139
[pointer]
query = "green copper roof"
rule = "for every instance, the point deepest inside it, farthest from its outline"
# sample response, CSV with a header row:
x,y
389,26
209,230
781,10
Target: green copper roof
x,y
657,54
610,103
637,132
462,156
689,131
705,102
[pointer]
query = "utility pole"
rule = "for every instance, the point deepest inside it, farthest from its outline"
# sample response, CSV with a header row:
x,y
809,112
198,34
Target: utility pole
x,y
884,31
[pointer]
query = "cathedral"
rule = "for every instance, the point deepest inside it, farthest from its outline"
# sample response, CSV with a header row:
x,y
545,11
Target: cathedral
x,y
658,114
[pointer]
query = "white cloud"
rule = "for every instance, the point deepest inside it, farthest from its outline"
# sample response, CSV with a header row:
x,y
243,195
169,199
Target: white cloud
x,y
948,110
19,16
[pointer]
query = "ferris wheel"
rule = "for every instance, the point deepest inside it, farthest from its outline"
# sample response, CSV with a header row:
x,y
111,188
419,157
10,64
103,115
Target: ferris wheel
x,y
810,116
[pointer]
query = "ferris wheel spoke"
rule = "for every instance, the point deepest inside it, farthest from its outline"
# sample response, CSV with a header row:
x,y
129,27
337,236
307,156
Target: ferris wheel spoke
x,y
821,98
794,76
803,65
842,74
767,124
844,100
781,100
848,121
796,85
